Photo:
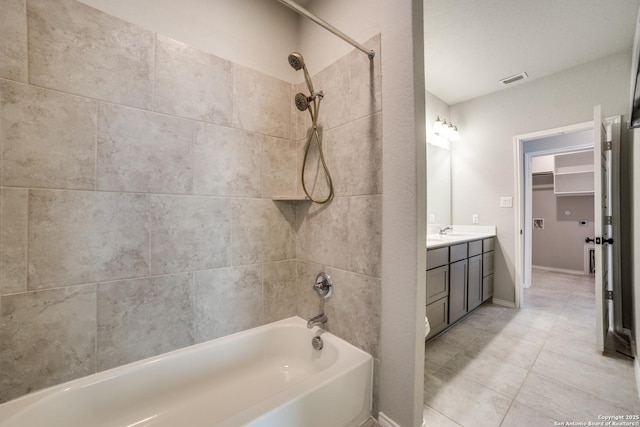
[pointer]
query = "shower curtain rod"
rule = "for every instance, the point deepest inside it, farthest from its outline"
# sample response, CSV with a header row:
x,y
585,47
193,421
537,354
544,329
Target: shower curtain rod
x,y
327,26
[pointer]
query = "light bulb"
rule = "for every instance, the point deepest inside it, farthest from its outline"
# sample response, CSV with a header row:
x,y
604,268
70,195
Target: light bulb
x,y
455,135
437,126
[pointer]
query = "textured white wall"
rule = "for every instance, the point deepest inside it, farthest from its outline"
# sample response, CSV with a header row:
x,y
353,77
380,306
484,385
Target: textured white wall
x,y
359,19
482,166
258,34
404,212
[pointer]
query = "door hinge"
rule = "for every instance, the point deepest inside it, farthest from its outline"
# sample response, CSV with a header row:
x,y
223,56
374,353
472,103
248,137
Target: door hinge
x,y
608,220
608,295
608,145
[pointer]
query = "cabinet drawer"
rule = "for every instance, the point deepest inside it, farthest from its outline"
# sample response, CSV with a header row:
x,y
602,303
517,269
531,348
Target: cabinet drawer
x,y
475,248
487,263
458,252
487,287
437,316
437,257
488,244
437,283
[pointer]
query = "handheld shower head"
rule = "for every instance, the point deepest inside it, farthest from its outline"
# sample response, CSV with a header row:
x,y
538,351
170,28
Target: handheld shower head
x,y
302,101
297,62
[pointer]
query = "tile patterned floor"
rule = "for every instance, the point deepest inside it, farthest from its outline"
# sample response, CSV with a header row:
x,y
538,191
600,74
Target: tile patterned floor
x,y
530,367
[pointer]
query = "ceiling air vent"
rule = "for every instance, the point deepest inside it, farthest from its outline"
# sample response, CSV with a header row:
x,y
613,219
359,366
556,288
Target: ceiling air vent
x,y
513,79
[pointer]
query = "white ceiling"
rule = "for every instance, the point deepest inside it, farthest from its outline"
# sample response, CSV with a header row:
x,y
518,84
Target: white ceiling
x,y
471,44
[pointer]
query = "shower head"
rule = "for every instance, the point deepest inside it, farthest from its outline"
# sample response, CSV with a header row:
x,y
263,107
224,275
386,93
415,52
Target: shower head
x,y
302,101
297,62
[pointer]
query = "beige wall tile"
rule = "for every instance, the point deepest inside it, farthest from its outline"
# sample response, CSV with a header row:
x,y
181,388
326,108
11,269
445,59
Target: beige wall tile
x,y
144,152
366,81
193,84
13,40
280,290
13,240
354,156
228,300
365,235
279,167
227,162
309,302
315,177
354,309
78,49
323,237
46,338
189,233
83,237
49,138
141,318
261,231
261,103
334,81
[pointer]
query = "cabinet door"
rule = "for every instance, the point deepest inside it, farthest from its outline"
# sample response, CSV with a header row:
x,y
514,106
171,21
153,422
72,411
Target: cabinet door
x,y
457,290
437,315
437,284
475,282
487,264
487,287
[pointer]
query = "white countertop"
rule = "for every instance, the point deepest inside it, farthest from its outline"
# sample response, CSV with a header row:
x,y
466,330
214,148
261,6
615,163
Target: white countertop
x,y
460,234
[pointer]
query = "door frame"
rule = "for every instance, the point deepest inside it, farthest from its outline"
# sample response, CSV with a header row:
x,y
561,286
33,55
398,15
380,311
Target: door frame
x,y
522,168
523,196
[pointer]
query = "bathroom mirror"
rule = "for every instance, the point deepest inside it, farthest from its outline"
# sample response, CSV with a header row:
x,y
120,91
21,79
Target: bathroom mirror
x,y
438,185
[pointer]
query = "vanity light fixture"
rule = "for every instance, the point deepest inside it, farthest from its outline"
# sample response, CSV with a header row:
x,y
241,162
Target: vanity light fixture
x,y
445,130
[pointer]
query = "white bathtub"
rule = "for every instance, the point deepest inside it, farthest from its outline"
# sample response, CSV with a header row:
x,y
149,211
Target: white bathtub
x,y
267,376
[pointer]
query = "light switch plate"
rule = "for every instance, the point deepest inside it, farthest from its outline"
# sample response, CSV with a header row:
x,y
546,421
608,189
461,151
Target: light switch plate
x,y
506,202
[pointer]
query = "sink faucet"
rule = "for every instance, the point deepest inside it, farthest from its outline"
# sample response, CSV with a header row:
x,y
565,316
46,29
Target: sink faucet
x,y
320,319
443,230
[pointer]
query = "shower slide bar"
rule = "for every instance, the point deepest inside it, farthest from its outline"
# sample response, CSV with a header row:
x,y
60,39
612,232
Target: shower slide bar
x,y
327,26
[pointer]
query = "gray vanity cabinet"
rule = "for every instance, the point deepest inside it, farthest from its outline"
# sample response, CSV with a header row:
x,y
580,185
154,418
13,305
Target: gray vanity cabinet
x,y
459,279
487,268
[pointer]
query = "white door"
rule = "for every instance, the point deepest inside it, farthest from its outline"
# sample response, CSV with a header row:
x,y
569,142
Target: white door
x,y
602,225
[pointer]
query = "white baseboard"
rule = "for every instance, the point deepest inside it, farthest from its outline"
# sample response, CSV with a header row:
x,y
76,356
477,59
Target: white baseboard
x,y
636,370
386,421
503,303
636,362
558,270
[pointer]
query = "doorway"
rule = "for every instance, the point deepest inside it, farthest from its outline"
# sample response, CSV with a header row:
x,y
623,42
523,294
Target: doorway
x,y
557,141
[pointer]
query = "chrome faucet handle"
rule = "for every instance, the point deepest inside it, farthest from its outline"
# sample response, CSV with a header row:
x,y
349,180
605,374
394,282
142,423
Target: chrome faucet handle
x,y
444,229
323,285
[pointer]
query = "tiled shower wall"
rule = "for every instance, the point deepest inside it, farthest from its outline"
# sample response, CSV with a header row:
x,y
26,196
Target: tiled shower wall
x,y
135,196
343,237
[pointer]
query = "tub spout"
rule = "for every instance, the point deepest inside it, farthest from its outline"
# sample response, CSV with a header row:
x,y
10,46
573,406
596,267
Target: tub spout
x,y
320,319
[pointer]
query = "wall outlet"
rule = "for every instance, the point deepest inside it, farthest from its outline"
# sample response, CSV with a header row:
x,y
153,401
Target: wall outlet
x,y
475,219
432,218
506,202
